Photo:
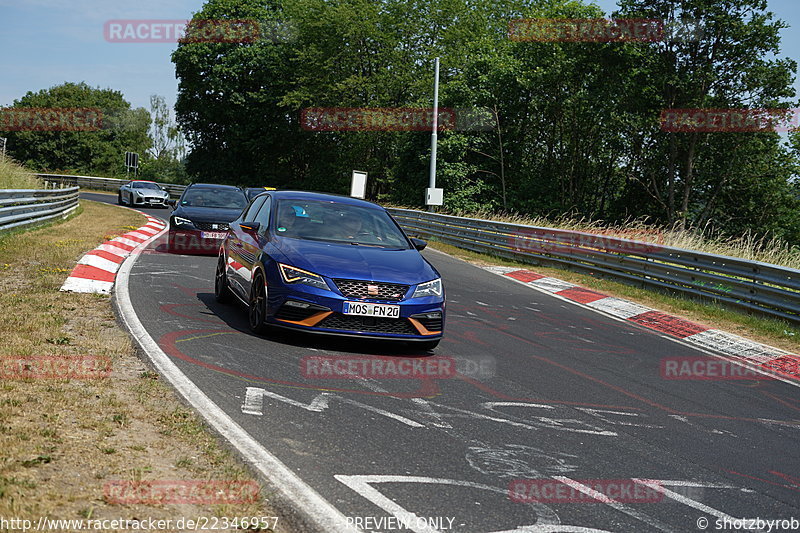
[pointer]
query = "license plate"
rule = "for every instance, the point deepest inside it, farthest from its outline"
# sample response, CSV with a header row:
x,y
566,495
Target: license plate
x,y
376,310
212,235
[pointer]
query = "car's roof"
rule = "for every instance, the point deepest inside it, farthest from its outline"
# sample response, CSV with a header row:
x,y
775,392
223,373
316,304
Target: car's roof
x,y
322,197
213,186
141,181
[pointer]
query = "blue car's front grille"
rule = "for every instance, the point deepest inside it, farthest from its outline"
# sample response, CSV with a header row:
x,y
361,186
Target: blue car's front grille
x,y
353,288
395,326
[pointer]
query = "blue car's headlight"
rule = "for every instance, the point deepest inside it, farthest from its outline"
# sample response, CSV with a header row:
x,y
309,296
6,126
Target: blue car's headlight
x,y
292,274
181,221
430,288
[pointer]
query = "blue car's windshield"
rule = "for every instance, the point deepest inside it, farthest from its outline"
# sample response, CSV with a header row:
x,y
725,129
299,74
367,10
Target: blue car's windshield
x,y
219,198
338,222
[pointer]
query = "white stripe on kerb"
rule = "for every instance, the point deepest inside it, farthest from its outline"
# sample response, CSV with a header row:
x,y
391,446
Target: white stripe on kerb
x,y
100,262
116,250
87,285
123,240
618,307
551,284
500,269
734,345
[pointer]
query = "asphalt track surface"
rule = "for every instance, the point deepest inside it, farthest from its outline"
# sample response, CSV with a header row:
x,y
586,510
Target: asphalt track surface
x,y
546,390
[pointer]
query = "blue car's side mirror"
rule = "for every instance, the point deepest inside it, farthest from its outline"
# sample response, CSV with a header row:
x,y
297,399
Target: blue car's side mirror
x,y
419,244
250,227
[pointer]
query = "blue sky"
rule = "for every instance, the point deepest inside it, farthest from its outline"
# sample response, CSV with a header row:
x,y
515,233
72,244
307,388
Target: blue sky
x,y
47,42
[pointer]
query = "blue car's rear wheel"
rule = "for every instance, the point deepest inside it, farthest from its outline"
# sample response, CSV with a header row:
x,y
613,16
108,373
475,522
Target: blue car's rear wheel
x,y
258,304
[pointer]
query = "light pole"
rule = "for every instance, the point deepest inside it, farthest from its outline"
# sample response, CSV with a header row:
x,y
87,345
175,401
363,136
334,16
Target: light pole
x,y
433,195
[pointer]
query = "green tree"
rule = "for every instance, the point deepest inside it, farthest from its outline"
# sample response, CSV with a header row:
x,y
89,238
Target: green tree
x,y
93,152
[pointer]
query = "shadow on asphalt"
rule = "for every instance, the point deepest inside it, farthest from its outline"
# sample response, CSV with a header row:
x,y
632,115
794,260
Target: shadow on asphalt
x,y
234,315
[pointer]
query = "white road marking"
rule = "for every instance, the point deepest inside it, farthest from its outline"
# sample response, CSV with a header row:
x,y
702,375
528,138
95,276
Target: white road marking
x,y
308,503
253,404
633,513
559,424
602,414
363,486
703,508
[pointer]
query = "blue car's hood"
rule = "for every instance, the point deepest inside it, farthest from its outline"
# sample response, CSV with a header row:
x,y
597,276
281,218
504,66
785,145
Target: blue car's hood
x,y
357,262
207,214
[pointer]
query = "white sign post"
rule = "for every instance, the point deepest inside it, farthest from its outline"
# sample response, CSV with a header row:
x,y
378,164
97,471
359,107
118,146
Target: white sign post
x,y
358,187
2,147
131,162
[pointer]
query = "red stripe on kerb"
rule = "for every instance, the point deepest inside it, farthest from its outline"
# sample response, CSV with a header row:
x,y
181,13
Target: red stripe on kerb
x,y
90,272
581,295
107,255
671,325
134,237
524,275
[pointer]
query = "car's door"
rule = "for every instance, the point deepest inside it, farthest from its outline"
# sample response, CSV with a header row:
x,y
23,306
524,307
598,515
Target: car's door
x,y
236,255
252,242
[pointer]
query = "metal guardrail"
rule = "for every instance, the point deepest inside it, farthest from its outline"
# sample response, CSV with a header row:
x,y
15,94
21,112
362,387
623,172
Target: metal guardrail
x,y
752,286
27,207
102,184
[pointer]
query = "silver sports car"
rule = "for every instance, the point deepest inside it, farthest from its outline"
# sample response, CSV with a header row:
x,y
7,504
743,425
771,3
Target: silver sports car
x,y
142,193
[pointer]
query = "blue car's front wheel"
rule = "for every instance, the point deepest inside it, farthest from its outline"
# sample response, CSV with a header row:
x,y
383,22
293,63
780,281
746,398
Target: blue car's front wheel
x,y
221,289
258,304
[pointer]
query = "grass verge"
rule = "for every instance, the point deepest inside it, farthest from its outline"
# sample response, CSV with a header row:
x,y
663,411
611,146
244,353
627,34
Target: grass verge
x,y
62,440
15,176
769,331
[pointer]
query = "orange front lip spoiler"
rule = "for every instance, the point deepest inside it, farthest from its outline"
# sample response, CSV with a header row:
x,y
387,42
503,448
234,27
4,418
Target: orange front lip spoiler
x,y
313,320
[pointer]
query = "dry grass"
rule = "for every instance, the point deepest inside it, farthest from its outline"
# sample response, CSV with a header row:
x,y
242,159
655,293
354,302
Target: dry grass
x,y
61,440
747,246
765,330
14,176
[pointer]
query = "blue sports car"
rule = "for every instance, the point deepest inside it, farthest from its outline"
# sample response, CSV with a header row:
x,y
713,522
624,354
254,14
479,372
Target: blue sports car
x,y
330,264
